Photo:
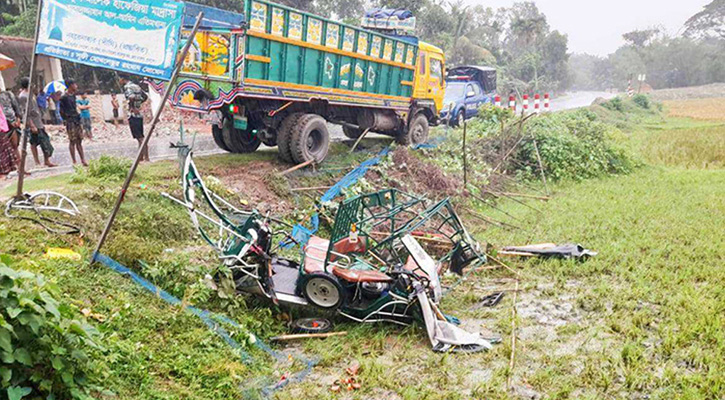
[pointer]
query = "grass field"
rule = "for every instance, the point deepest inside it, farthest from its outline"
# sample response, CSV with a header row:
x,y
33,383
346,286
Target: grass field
x,y
643,319
700,109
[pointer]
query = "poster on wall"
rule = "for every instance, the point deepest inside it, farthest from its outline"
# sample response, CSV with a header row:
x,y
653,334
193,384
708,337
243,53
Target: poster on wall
x,y
137,36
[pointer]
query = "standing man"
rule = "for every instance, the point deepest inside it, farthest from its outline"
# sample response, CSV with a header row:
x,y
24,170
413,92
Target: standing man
x,y
85,106
69,112
135,97
115,105
35,127
11,109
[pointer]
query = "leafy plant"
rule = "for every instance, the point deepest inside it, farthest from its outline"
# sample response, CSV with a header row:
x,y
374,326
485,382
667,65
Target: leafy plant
x,y
105,168
615,104
642,101
42,346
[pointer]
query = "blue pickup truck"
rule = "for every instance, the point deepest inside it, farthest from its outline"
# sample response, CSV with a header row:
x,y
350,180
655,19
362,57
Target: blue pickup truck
x,y
467,89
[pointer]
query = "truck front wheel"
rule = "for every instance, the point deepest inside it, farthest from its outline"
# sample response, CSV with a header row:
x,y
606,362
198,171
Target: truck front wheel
x,y
310,139
417,132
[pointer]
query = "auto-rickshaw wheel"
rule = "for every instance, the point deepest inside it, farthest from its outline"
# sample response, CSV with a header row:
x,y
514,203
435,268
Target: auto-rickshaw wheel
x,y
312,325
323,291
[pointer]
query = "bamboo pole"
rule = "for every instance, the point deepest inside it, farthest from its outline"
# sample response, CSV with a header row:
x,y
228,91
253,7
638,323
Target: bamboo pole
x,y
307,336
24,154
146,140
296,167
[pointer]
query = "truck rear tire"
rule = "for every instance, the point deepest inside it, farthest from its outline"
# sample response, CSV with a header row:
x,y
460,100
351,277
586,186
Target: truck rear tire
x,y
218,136
351,133
417,132
310,139
284,136
237,140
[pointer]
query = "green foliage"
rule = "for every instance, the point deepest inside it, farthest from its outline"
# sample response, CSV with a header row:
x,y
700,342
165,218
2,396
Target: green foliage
x,y
44,349
573,146
106,168
642,100
615,104
22,25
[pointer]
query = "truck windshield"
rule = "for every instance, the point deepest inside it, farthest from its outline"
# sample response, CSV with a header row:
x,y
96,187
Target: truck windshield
x,y
454,91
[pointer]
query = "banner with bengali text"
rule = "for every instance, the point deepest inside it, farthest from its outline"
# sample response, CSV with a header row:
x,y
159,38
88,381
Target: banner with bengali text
x,y
136,36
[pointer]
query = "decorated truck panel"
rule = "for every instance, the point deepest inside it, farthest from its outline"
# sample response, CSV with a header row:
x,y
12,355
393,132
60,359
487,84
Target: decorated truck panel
x,y
259,69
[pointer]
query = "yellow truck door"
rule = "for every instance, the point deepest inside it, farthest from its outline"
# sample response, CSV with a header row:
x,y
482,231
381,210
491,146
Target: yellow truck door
x,y
429,75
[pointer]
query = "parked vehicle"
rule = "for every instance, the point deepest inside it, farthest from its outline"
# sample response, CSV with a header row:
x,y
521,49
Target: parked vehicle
x,y
467,89
276,75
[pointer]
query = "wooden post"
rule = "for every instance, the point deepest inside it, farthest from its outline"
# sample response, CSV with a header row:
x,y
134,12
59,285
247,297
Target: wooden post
x,y
132,171
354,146
24,154
465,156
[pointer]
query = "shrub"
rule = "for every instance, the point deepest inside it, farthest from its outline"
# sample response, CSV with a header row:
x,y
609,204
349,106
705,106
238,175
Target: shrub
x,y
43,348
105,168
574,145
615,104
642,101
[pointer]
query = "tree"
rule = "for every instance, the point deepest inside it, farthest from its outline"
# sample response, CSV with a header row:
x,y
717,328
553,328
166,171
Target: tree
x,y
708,23
641,38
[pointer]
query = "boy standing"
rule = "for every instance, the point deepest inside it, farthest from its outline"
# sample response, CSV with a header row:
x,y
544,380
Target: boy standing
x,y
69,112
85,106
136,97
35,126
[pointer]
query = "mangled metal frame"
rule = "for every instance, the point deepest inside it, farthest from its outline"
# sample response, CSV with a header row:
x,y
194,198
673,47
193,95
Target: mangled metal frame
x,y
245,239
387,216
42,204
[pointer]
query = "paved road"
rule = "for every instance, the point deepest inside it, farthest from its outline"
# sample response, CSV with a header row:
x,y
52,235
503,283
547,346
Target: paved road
x,y
159,146
578,99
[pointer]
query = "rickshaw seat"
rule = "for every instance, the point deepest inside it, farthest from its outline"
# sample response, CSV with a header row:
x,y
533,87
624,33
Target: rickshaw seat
x,y
314,253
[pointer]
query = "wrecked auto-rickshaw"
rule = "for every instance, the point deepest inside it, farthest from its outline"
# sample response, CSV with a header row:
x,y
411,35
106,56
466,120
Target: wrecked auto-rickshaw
x,y
371,269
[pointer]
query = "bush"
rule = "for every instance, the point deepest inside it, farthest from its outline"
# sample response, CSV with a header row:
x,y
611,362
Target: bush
x,y
642,101
43,348
573,145
105,168
615,104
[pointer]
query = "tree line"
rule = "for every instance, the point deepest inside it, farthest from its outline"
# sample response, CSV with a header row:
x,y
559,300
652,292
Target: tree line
x,y
529,54
695,56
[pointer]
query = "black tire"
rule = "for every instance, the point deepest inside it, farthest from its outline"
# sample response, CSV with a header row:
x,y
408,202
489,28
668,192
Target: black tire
x,y
218,136
311,325
323,290
246,141
460,118
417,132
310,139
284,136
351,133
237,140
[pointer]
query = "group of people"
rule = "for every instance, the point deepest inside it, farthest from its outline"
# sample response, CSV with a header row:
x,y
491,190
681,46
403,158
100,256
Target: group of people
x,y
72,108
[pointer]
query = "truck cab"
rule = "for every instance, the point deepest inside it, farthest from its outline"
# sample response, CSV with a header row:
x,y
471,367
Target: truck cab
x,y
467,89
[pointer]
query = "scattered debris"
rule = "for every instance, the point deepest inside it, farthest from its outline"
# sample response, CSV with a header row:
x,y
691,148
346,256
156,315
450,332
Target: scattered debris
x,y
363,277
67,254
39,206
491,300
89,314
547,250
349,382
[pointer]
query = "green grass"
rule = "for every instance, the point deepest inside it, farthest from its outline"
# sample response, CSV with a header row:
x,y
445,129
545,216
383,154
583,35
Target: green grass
x,y
643,318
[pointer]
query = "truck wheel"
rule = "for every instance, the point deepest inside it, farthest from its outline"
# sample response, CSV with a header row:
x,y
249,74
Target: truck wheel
x,y
237,140
310,139
351,133
417,131
218,136
284,136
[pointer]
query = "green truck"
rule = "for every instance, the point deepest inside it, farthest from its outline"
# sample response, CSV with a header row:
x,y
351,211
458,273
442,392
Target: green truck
x,y
278,76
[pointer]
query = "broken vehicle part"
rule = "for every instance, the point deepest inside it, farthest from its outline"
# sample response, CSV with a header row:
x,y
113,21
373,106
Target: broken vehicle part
x,y
39,207
547,250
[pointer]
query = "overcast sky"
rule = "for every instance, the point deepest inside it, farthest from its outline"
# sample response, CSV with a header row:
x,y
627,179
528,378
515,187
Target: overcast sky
x,y
596,26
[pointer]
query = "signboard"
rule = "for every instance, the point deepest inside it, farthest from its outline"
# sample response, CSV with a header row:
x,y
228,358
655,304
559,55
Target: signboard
x,y
136,36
